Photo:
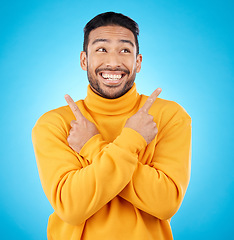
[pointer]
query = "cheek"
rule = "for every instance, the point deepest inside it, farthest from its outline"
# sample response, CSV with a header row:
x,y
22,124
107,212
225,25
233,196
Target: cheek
x,y
93,63
131,65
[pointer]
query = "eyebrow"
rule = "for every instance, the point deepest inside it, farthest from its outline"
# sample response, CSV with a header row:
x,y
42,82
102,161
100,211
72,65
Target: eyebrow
x,y
106,40
99,40
127,41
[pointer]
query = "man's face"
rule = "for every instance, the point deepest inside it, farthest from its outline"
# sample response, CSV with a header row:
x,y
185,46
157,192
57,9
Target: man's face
x,y
111,62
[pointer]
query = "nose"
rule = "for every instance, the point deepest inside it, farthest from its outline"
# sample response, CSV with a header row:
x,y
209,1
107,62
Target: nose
x,y
112,60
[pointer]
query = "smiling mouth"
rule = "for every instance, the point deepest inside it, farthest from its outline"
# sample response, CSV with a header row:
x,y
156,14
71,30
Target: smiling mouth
x,y
113,78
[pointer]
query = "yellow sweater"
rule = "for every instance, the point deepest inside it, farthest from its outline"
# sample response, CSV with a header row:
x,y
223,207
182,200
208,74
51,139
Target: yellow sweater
x,y
118,187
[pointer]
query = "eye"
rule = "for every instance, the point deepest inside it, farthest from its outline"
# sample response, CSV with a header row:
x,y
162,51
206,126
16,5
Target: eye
x,y
101,50
125,50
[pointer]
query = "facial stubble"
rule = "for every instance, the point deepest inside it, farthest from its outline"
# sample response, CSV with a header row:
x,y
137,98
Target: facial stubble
x,y
108,94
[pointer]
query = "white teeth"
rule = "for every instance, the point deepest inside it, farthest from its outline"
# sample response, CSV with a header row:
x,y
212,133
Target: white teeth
x,y
111,77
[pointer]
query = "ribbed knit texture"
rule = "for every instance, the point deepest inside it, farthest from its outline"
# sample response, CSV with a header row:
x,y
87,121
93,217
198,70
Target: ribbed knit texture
x,y
117,187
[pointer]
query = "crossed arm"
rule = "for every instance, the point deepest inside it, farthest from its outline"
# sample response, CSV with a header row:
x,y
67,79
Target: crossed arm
x,y
76,193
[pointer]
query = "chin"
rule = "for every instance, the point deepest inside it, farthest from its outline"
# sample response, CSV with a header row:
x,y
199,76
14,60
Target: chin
x,y
113,92
110,90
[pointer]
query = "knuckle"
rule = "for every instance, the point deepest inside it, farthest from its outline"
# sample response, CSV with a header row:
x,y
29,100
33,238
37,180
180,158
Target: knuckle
x,y
75,107
140,111
71,131
150,99
82,121
151,117
155,131
73,123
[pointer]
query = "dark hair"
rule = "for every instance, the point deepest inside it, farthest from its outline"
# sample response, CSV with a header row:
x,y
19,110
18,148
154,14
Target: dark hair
x,y
110,19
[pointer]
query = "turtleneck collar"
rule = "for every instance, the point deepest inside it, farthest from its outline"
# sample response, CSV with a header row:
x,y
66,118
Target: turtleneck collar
x,y
116,106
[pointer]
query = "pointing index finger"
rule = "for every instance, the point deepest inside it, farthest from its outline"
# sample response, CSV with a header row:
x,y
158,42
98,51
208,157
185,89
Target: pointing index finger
x,y
76,111
151,99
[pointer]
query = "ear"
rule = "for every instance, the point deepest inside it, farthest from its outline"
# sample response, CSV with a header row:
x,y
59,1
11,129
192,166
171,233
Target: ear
x,y
138,63
83,60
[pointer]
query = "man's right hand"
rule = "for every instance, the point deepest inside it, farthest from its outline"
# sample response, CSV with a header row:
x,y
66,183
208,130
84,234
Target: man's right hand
x,y
81,128
142,122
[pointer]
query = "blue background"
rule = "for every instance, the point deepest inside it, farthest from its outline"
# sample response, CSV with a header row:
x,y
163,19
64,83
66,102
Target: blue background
x,y
187,49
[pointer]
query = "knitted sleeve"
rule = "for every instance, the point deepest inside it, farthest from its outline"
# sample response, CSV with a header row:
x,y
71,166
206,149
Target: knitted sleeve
x,y
158,188
78,187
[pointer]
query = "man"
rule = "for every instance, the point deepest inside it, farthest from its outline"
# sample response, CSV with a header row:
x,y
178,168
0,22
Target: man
x,y
107,169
